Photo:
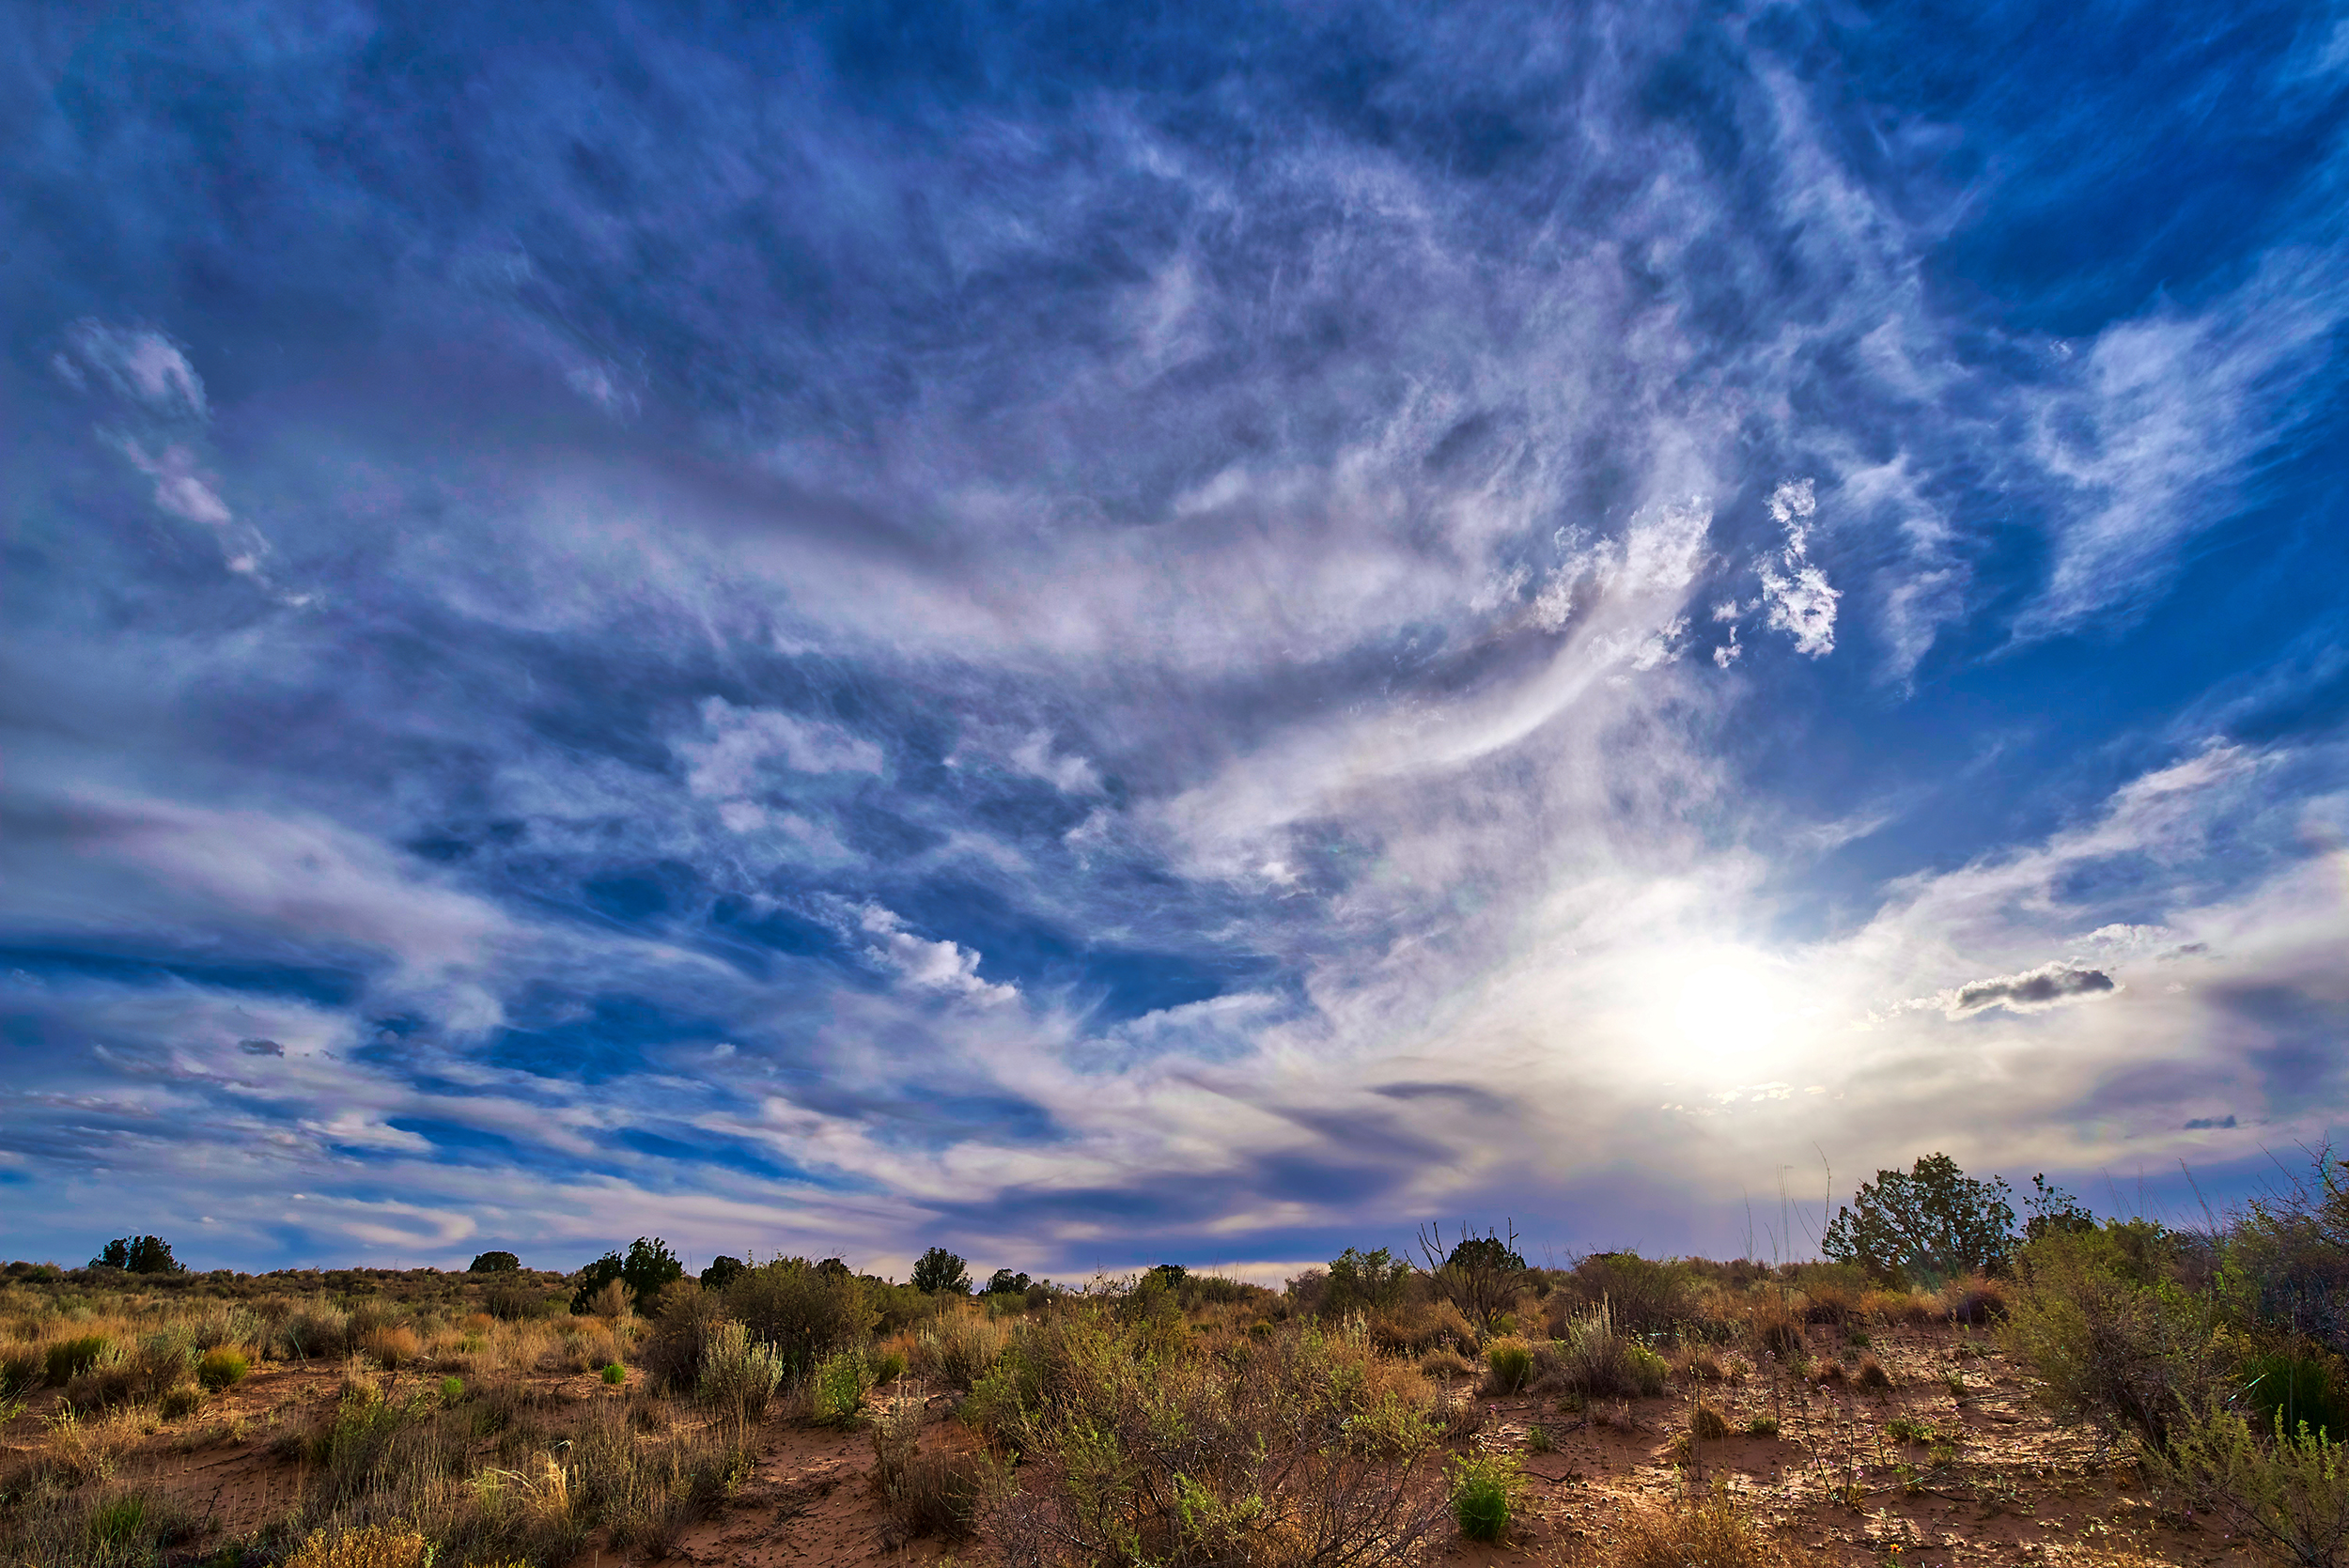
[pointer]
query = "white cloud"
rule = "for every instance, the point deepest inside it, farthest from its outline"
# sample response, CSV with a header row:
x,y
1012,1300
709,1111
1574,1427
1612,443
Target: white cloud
x,y
1801,604
931,965
1070,775
136,363
743,744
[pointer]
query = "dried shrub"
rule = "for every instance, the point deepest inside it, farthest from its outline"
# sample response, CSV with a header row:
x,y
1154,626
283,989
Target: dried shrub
x,y
959,1350
1257,1457
365,1547
1870,1373
1594,1359
1706,1424
1446,1363
671,1355
1713,1532
390,1348
924,1493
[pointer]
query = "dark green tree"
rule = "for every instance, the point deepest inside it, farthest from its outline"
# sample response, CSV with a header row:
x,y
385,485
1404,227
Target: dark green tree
x,y
1479,1275
1364,1282
140,1254
1004,1282
495,1263
647,1266
939,1271
1926,1225
721,1272
2053,1211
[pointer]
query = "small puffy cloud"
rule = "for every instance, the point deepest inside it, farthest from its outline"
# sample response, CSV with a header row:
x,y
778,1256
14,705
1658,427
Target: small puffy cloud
x,y
2032,991
1800,601
946,967
136,363
261,1048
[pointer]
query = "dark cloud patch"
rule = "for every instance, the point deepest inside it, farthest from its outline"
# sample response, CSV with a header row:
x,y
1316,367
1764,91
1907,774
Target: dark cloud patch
x,y
2032,991
2208,1124
261,1048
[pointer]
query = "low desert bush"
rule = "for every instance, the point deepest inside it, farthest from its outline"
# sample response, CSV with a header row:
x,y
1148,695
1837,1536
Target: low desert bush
x,y
1446,1363
836,1389
2106,1336
368,1547
2286,1492
1594,1359
806,1310
2298,1385
1717,1531
67,1360
222,1368
1509,1367
934,1492
390,1348
1485,1491
1642,1295
107,1528
1706,1424
674,1353
1258,1456
739,1373
958,1349
1870,1373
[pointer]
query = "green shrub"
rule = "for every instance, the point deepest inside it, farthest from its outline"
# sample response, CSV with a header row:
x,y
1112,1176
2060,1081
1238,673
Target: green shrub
x,y
2297,1386
139,1254
1511,1364
69,1359
1359,1281
181,1401
739,1373
806,1310
2288,1496
1761,1426
957,1351
452,1389
615,1373
1643,1295
836,1391
495,1263
1484,1493
222,1368
2106,1336
887,1366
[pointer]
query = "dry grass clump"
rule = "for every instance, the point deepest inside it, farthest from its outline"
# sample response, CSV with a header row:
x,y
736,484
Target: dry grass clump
x,y
958,1349
365,1547
1283,1451
1871,1374
1593,1359
1706,1424
1446,1363
391,1347
1713,1532
107,1528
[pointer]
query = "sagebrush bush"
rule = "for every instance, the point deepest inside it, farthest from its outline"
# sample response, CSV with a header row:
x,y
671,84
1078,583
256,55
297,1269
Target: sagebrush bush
x,y
739,1373
2105,1337
959,1350
803,1309
1596,1361
671,1357
67,1360
923,1492
1130,1455
1642,1295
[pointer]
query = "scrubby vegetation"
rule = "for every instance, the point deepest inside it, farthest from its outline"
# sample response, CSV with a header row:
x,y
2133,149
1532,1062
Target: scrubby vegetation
x,y
1366,1414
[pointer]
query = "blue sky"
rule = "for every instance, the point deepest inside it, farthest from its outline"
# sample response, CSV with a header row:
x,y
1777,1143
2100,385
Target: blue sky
x,y
1109,634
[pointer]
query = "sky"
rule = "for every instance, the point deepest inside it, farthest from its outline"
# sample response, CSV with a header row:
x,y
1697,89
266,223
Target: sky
x,y
1106,634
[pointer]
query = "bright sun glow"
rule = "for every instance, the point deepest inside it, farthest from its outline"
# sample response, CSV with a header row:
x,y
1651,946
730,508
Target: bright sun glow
x,y
1727,1018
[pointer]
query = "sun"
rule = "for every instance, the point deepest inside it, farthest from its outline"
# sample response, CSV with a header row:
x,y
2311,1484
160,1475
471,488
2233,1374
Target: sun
x,y
1726,1017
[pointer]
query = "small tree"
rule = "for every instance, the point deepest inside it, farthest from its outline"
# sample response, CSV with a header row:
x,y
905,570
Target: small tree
x,y
939,1271
721,1272
1004,1282
1480,1274
647,1268
140,1254
1364,1282
495,1263
1932,1223
2052,1211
